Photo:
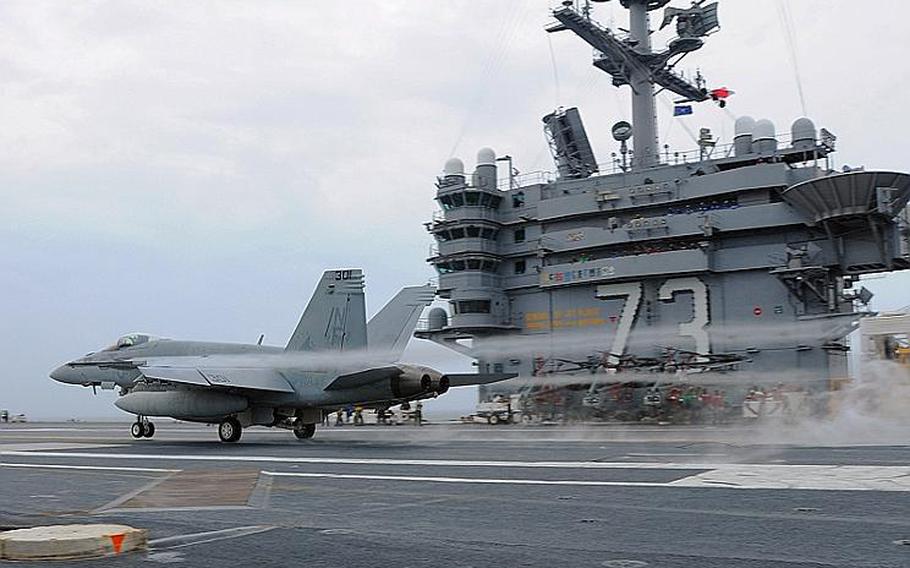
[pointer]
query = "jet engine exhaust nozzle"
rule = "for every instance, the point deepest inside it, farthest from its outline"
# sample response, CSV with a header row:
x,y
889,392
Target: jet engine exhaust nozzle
x,y
415,381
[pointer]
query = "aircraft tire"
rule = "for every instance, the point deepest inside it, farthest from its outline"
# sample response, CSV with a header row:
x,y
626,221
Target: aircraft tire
x,y
148,430
230,430
305,431
137,430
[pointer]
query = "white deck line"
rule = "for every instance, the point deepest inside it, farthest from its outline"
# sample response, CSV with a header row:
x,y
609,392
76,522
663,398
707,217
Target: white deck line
x,y
713,475
88,467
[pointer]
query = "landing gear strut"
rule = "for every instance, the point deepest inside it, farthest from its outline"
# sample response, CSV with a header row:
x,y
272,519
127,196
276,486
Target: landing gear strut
x,y
142,428
304,431
230,430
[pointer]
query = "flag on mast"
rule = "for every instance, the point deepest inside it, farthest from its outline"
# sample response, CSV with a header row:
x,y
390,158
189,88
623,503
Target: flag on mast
x,y
682,110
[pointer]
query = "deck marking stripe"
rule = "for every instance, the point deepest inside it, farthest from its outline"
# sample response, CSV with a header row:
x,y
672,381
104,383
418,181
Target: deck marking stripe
x,y
131,510
180,541
370,461
464,479
124,498
744,476
89,467
890,471
694,481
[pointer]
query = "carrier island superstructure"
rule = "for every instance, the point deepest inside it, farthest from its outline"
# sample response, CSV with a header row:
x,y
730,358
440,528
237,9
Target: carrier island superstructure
x,y
746,257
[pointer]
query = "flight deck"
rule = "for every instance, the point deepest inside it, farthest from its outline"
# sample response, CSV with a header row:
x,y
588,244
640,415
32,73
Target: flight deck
x,y
463,495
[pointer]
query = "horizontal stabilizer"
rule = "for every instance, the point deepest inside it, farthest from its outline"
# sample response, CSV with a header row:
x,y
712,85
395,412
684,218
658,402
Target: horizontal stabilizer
x,y
244,379
361,378
468,379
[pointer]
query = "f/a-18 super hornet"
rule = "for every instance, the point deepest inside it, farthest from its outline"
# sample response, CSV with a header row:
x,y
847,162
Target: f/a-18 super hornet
x,y
333,359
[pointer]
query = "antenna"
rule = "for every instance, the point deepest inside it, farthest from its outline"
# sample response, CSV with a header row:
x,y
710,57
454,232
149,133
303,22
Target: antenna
x,y
569,144
630,60
622,131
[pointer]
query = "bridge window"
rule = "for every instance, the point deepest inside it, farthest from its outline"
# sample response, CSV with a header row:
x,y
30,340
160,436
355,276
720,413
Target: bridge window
x,y
460,265
518,199
472,307
519,235
520,266
457,199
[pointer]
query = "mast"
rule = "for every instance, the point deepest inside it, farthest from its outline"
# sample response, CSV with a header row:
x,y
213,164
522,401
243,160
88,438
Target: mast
x,y
630,60
644,112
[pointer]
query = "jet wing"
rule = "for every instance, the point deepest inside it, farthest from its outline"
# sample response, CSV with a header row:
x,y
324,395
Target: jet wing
x,y
265,379
468,379
361,378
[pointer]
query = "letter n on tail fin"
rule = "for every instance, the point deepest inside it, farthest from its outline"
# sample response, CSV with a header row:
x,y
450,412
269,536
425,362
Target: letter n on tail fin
x,y
335,318
390,330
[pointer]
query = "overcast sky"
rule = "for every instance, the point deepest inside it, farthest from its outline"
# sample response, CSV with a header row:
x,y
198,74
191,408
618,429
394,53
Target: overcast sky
x,y
188,169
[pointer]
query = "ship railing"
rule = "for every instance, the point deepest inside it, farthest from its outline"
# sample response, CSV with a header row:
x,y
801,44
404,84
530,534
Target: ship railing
x,y
667,157
537,177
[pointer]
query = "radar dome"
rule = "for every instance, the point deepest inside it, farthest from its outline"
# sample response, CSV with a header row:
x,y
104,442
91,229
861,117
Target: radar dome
x,y
486,157
764,129
803,134
437,319
453,167
742,137
744,125
763,140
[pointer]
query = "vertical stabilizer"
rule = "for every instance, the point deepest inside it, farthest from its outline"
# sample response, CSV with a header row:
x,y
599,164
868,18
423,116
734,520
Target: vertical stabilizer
x,y
335,318
391,328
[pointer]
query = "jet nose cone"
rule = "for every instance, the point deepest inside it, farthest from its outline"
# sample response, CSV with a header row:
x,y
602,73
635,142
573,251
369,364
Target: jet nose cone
x,y
68,374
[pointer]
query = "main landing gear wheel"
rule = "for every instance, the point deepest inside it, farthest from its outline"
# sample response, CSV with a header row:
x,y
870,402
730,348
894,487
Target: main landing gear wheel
x,y
230,430
142,428
304,431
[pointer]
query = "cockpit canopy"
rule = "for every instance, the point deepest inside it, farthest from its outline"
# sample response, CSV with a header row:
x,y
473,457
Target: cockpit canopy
x,y
131,340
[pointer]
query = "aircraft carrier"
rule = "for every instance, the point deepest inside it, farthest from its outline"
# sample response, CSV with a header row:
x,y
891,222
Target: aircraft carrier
x,y
739,263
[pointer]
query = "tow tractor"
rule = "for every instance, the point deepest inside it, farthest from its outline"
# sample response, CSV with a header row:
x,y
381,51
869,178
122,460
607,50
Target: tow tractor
x,y
500,410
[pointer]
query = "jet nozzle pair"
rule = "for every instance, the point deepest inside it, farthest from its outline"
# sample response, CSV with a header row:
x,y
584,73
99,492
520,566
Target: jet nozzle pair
x,y
416,380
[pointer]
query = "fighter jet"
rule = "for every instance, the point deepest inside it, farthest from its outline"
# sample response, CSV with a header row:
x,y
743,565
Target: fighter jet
x,y
333,359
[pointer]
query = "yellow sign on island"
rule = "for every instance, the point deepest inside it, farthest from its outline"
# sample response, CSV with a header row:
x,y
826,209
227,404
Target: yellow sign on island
x,y
564,319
